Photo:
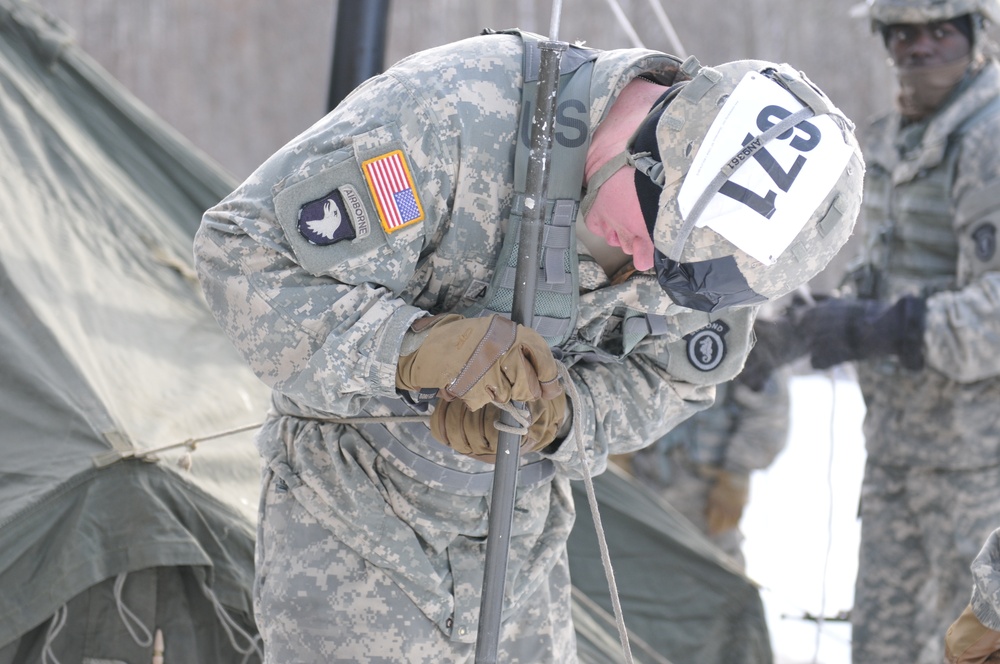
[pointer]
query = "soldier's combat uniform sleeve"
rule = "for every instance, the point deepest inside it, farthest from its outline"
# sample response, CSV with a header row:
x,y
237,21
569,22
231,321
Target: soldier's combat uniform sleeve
x,y
962,334
305,264
628,405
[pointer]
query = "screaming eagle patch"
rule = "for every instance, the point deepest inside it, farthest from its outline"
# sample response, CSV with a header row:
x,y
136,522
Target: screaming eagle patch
x,y
340,215
706,348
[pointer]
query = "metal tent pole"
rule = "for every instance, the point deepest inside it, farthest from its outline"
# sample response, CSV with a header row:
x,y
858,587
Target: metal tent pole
x,y
358,46
526,277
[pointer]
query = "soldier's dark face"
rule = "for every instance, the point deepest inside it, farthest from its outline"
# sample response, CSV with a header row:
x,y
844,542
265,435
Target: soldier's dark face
x,y
926,44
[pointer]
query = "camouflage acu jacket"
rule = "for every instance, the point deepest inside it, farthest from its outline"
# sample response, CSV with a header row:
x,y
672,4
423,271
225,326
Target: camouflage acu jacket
x,y
930,212
393,207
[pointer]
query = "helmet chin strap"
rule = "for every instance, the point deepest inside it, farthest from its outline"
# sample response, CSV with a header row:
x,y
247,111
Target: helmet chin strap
x,y
602,175
653,169
641,161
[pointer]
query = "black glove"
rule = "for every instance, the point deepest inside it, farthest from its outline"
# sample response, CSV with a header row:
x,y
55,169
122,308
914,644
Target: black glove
x,y
778,343
839,330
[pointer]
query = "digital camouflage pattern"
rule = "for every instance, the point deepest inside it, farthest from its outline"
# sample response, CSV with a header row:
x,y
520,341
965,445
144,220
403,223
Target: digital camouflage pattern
x,y
986,588
743,431
688,117
931,210
362,556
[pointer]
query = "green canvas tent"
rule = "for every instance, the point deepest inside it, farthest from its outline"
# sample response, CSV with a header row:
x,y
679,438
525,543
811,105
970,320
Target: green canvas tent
x,y
107,353
128,479
682,599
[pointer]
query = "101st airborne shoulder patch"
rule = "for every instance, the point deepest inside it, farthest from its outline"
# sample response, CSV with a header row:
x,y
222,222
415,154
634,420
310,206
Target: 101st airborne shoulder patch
x,y
339,215
393,191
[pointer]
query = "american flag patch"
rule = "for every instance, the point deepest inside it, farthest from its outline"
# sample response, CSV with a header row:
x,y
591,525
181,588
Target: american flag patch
x,y
392,188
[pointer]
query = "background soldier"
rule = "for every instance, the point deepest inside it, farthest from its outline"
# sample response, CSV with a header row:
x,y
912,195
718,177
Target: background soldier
x,y
702,466
367,268
926,329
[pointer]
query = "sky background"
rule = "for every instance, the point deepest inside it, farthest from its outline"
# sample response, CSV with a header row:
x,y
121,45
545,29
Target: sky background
x,y
800,525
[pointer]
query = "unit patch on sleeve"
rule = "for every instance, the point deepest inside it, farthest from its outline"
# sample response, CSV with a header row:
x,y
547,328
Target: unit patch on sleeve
x,y
393,191
339,215
706,348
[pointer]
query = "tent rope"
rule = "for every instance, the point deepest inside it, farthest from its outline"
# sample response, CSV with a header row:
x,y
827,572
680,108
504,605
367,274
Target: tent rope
x,y
521,417
625,24
598,610
574,397
192,443
661,16
56,626
231,626
821,619
128,616
668,28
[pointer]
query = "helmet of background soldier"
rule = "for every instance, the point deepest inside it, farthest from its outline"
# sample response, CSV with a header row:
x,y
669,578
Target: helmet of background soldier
x,y
750,182
889,12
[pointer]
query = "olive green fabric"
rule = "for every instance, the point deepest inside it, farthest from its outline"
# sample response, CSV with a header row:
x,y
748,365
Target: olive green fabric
x,y
681,597
107,353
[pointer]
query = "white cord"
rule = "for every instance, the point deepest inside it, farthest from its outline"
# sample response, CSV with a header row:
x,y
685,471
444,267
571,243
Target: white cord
x,y
58,622
231,626
821,618
126,614
588,482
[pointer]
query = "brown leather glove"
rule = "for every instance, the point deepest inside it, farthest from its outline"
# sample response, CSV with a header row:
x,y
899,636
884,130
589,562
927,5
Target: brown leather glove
x,y
471,432
726,500
479,360
968,641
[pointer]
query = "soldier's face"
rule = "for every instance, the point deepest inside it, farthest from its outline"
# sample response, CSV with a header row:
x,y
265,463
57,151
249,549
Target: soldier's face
x,y
926,44
617,218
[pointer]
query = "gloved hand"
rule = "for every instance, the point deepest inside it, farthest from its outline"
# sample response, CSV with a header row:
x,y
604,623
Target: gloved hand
x,y
478,360
778,343
839,330
726,500
968,641
471,432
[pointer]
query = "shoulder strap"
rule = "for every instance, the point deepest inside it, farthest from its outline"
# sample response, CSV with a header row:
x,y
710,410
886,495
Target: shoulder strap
x,y
557,296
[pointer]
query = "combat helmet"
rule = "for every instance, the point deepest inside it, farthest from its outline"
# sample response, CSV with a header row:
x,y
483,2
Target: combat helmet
x,y
889,12
750,183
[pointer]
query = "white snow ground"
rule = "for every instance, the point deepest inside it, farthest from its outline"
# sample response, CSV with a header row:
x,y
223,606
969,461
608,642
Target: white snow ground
x,y
801,527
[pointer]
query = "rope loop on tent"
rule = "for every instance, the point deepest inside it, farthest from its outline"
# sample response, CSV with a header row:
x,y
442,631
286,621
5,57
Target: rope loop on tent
x,y
230,626
58,622
128,616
